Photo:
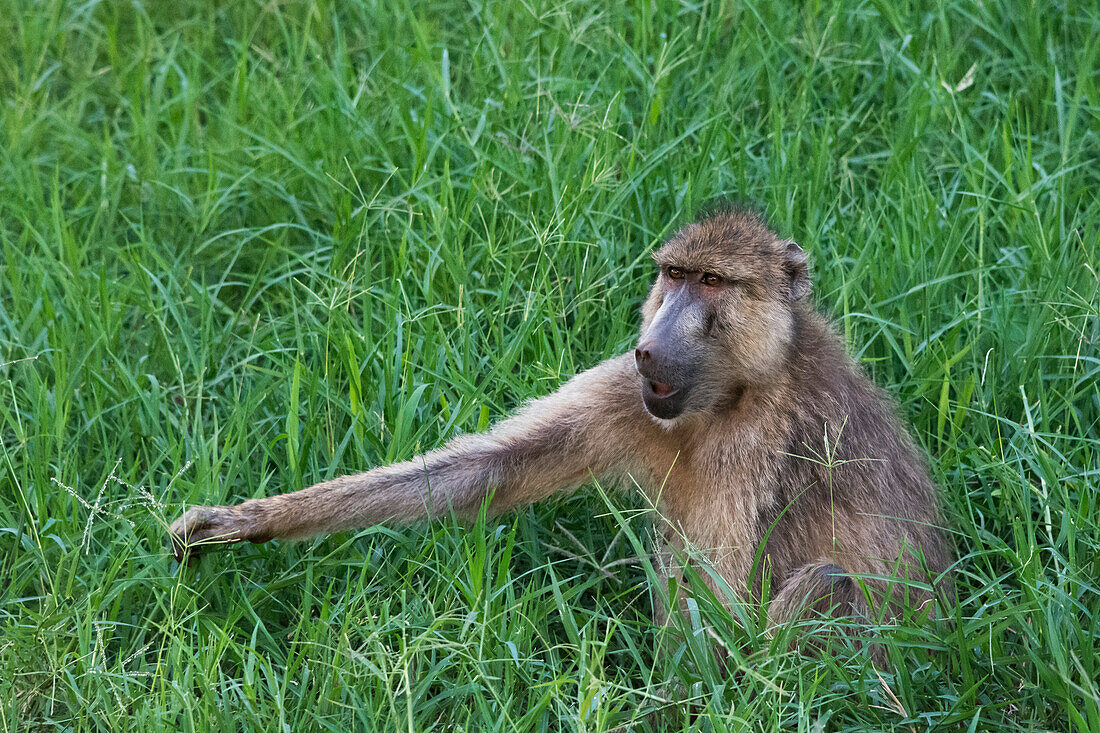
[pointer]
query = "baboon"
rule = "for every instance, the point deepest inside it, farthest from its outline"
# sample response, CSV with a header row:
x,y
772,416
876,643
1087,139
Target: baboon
x,y
740,416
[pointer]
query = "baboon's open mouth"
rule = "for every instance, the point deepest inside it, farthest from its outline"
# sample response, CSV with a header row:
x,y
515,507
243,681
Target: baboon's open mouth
x,y
662,390
662,400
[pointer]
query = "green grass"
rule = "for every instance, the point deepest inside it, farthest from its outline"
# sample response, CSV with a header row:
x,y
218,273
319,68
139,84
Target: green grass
x,y
248,246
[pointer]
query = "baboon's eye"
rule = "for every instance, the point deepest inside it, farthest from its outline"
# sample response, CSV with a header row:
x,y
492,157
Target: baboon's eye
x,y
675,273
711,279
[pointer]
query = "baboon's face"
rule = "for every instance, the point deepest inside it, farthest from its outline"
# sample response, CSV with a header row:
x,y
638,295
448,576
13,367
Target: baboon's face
x,y
719,316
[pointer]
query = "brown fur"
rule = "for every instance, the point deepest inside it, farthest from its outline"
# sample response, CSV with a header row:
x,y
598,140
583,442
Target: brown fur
x,y
787,444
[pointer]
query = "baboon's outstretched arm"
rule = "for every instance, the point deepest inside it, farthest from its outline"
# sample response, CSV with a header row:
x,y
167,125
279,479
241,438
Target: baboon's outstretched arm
x,y
554,444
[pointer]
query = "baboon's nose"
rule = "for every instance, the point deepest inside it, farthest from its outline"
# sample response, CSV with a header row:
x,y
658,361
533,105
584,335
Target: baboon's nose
x,y
643,355
648,358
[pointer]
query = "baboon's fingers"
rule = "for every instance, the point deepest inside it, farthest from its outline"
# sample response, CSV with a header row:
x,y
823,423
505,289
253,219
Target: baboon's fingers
x,y
202,528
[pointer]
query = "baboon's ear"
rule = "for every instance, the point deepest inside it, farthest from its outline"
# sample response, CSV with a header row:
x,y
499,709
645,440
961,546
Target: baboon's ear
x,y
794,262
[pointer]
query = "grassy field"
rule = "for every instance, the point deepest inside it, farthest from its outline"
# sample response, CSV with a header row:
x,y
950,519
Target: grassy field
x,y
248,246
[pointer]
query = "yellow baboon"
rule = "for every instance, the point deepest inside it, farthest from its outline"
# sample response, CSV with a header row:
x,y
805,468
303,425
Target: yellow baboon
x,y
739,413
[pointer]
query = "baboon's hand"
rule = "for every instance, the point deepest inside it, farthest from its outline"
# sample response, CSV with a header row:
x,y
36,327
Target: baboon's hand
x,y
203,528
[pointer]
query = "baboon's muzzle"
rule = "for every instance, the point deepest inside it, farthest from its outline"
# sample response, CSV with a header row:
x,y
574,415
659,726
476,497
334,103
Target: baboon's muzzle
x,y
667,357
664,387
